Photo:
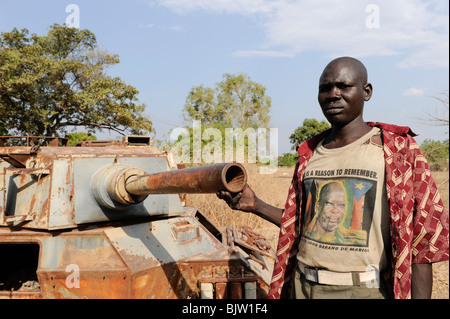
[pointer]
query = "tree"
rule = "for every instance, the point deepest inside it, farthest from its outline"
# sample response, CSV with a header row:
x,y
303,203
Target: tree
x,y
53,82
76,137
309,128
236,101
3,131
437,153
438,117
230,116
288,159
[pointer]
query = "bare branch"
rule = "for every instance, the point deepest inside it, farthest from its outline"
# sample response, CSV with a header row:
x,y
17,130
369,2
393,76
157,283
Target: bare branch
x,y
440,116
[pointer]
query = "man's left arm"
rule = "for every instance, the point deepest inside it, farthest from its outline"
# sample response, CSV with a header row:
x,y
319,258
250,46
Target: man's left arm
x,y
421,281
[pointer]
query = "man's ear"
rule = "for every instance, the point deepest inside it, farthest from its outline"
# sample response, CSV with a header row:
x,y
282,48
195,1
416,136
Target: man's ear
x,y
368,90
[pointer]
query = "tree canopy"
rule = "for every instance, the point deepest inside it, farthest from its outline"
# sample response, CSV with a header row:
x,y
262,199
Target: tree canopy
x,y
76,137
53,82
236,101
309,128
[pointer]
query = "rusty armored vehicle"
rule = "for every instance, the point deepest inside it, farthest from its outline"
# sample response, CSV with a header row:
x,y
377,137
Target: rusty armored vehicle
x,y
106,220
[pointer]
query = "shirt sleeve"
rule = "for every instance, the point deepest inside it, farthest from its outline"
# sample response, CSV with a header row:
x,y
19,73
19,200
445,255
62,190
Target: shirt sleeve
x,y
431,221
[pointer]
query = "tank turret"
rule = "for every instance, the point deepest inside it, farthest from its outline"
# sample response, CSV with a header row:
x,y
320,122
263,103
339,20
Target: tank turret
x,y
104,219
117,187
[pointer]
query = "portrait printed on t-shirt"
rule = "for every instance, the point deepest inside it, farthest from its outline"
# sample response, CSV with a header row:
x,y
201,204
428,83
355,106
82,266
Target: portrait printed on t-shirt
x,y
339,210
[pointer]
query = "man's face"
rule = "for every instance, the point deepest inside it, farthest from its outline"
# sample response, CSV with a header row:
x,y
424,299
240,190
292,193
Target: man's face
x,y
342,92
332,210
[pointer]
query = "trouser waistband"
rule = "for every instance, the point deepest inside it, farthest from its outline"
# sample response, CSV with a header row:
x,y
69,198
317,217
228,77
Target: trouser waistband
x,y
327,277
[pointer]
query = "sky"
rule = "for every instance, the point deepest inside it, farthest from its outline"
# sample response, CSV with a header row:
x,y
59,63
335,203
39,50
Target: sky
x,y
166,47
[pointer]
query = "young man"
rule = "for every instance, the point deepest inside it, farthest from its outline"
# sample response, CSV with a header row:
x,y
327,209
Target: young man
x,y
363,217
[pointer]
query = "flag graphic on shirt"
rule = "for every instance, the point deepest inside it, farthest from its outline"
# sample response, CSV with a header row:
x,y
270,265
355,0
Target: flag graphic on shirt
x,y
359,188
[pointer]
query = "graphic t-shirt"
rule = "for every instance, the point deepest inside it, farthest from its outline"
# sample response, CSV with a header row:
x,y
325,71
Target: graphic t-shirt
x,y
346,214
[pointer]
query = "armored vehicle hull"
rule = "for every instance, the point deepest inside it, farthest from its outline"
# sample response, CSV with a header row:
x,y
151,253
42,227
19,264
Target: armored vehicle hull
x,y
105,220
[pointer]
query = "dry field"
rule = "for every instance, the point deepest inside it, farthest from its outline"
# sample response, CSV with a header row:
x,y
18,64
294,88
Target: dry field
x,y
440,270
273,188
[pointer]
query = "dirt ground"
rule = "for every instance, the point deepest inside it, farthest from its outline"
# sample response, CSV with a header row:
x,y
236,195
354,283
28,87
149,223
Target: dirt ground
x,y
273,188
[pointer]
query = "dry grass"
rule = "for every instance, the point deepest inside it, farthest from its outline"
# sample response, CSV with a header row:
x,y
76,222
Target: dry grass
x,y
273,189
440,270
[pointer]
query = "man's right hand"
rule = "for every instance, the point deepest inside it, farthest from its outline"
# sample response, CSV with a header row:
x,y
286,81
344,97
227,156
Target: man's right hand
x,y
244,201
247,201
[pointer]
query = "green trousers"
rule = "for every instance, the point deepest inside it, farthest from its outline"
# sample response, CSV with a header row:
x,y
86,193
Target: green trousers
x,y
305,289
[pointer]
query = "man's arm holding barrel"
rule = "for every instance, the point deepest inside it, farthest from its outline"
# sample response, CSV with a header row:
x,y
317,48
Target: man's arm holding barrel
x,y
247,201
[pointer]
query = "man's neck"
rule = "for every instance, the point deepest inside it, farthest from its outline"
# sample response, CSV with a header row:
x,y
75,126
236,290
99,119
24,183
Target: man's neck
x,y
343,135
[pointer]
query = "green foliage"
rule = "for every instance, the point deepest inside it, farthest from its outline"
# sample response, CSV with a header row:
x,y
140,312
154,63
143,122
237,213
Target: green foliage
x,y
436,153
52,82
3,130
309,128
288,159
207,145
236,101
74,138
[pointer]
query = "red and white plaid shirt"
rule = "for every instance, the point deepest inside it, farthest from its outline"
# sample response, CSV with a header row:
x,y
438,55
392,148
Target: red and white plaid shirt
x,y
419,222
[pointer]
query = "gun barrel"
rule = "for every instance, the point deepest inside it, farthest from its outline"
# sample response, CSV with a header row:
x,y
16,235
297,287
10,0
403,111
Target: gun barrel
x,y
231,177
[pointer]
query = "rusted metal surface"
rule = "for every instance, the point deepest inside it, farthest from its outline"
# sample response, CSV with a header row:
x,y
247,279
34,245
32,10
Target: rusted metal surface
x,y
136,261
221,290
204,179
236,290
99,144
247,238
33,140
71,228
